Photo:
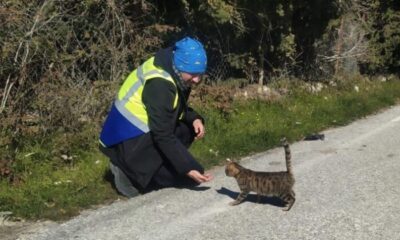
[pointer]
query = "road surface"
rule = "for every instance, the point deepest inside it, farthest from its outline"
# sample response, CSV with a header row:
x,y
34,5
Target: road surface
x,y
346,188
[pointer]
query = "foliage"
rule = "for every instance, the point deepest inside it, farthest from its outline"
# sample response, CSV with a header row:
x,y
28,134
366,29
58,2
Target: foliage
x,y
384,35
61,63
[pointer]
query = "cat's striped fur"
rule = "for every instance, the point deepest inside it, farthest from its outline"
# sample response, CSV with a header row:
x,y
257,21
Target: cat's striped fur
x,y
277,184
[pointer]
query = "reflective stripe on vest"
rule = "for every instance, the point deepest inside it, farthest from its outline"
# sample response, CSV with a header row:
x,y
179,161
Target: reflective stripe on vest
x,y
129,99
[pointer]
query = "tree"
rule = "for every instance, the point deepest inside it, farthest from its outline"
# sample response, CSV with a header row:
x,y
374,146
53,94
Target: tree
x,y
382,22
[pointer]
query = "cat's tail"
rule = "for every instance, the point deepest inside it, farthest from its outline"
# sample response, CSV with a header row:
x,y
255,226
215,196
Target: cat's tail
x,y
288,155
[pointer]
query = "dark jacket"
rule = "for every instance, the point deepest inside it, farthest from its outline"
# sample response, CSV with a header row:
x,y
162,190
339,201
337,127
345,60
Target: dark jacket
x,y
141,157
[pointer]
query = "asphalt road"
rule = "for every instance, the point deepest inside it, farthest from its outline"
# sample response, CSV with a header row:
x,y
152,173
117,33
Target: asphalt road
x,y
346,188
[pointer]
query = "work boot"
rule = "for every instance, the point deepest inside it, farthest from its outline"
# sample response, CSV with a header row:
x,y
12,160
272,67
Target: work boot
x,y
122,182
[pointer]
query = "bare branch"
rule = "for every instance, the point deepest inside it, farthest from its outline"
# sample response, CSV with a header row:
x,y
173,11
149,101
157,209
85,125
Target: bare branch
x,y
7,90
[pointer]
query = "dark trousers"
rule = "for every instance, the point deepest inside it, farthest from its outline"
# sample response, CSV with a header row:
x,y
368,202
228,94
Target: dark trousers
x,y
166,176
163,176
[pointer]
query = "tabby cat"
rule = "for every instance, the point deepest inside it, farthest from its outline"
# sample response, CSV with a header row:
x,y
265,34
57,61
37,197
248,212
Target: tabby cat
x,y
276,184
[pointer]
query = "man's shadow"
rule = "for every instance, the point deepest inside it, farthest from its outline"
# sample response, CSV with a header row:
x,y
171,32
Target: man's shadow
x,y
188,184
275,201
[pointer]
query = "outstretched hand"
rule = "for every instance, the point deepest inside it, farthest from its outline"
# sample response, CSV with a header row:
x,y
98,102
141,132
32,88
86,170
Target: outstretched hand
x,y
198,177
199,129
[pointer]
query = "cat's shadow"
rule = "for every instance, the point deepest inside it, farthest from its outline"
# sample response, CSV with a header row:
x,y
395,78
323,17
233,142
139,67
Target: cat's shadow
x,y
275,201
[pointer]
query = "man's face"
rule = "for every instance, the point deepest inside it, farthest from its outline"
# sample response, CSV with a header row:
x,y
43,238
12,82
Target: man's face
x,y
191,78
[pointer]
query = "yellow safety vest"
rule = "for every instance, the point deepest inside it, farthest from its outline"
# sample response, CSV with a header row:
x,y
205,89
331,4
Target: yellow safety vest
x,y
128,117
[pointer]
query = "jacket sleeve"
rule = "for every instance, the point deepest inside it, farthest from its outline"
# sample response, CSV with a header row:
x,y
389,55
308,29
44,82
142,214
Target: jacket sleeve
x,y
192,115
158,97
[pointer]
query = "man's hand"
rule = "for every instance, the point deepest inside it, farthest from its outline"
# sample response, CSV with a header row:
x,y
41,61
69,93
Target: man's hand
x,y
198,129
198,177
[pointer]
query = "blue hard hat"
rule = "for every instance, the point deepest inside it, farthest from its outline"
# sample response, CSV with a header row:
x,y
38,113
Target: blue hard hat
x,y
190,56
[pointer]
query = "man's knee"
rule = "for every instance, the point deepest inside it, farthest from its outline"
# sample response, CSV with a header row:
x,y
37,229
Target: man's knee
x,y
185,134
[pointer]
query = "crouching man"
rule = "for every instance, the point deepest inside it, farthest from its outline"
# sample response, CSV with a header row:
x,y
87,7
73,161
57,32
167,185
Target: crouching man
x,y
150,126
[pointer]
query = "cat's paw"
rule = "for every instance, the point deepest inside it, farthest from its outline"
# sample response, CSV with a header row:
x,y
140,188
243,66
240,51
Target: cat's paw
x,y
288,207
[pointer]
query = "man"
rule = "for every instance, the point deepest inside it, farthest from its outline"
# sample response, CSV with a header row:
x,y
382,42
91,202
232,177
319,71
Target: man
x,y
150,126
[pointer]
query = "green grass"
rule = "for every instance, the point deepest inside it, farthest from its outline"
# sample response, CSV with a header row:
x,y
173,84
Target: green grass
x,y
51,188
256,126
53,192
